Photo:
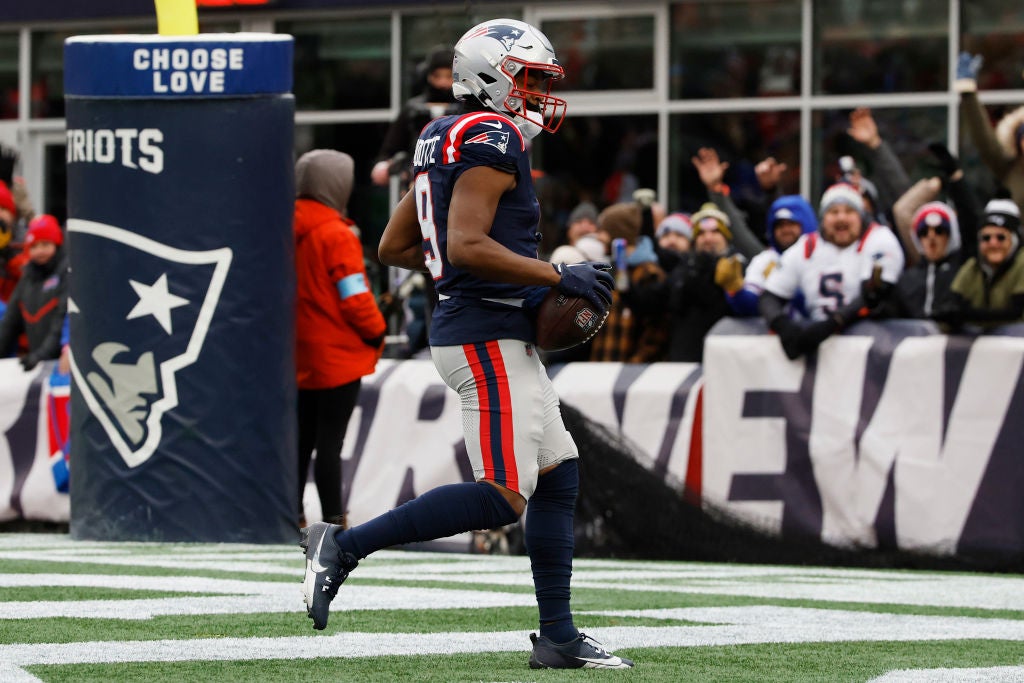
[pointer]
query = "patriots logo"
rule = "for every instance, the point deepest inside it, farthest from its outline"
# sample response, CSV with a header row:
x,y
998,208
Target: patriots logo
x,y
503,33
494,138
146,321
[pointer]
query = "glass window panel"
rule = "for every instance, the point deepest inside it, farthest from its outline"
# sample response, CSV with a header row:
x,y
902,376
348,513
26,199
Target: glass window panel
x,y
995,30
601,159
341,64
735,49
55,202
907,130
609,53
368,206
880,46
9,75
47,67
742,139
422,33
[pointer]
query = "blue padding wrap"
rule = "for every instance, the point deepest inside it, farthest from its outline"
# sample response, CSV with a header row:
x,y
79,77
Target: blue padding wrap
x,y
207,65
352,285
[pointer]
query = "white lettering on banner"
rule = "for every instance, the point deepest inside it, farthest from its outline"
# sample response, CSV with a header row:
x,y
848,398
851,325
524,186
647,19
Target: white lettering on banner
x,y
951,474
194,70
106,146
830,463
734,366
851,487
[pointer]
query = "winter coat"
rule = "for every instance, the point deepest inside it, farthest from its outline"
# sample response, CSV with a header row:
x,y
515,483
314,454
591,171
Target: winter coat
x,y
36,308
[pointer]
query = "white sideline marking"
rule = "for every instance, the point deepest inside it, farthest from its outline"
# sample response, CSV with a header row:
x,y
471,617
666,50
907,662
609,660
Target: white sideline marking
x,y
993,674
733,626
233,597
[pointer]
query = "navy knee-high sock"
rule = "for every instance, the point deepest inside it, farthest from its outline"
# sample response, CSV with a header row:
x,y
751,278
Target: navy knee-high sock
x,y
440,512
549,541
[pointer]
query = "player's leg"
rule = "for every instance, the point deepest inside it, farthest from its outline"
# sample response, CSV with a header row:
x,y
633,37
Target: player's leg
x,y
333,412
480,379
549,537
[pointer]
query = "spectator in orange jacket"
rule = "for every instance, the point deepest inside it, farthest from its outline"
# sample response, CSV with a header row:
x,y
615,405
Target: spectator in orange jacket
x,y
339,329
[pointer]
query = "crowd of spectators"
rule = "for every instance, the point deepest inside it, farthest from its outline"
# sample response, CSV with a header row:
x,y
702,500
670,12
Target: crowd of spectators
x,y
881,247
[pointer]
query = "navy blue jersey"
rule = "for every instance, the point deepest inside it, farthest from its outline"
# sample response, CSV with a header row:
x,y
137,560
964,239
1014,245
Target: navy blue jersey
x,y
471,308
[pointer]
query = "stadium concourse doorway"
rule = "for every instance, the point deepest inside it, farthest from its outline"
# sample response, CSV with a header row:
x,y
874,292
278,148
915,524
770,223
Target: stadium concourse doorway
x,y
43,165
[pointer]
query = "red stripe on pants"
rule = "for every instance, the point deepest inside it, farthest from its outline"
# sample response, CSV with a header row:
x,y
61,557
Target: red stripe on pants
x,y
483,397
508,448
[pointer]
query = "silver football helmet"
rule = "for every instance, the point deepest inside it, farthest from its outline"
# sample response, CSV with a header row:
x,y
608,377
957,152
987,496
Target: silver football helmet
x,y
509,65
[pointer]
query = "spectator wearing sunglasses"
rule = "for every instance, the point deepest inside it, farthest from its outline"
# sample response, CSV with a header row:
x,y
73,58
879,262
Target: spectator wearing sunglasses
x,y
925,286
989,289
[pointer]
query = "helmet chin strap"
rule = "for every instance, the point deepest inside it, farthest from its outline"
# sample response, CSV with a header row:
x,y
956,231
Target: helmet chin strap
x,y
529,124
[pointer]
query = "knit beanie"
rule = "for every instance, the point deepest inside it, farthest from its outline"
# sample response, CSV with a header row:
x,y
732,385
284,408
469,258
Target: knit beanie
x,y
675,222
1003,213
933,215
621,220
44,228
710,217
583,211
841,193
6,198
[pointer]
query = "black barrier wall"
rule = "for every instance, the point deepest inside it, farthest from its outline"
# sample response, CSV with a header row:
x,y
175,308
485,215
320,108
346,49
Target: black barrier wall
x,y
180,196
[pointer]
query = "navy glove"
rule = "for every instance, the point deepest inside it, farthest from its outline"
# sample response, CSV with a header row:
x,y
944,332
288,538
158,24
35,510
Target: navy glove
x,y
814,334
947,162
28,361
590,280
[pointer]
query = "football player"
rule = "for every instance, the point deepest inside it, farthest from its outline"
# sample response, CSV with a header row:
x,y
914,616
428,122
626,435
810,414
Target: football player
x,y
844,270
470,220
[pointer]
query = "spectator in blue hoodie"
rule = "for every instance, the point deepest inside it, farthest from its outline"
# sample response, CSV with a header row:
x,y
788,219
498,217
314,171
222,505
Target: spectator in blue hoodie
x,y
788,217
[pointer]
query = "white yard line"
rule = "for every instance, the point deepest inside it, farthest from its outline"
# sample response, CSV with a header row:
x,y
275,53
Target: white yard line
x,y
728,626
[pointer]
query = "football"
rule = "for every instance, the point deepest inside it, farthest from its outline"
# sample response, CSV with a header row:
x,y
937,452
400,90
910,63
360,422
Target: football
x,y
564,321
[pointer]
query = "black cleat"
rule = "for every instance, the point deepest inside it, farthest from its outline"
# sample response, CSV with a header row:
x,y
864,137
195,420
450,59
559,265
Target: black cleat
x,y
327,567
581,653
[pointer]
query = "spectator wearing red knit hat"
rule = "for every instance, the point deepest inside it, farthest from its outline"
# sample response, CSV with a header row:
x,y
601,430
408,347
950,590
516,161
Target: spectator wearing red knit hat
x,y
39,301
924,287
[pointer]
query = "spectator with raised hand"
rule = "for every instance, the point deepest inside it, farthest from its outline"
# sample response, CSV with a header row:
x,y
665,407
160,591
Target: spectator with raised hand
x,y
1001,146
925,286
938,237
890,180
988,290
711,170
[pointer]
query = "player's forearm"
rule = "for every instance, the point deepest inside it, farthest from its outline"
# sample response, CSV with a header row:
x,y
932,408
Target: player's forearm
x,y
489,260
